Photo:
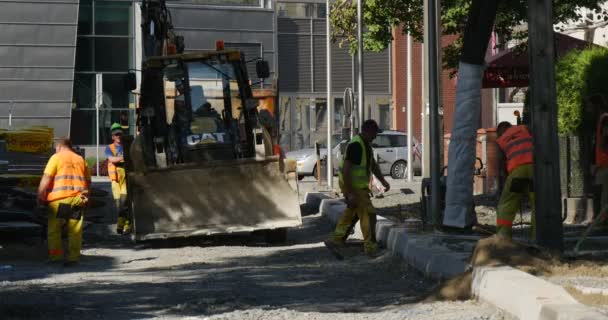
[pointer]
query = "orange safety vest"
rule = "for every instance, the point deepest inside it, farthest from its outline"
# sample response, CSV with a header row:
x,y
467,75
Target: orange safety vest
x,y
112,171
517,145
70,179
601,156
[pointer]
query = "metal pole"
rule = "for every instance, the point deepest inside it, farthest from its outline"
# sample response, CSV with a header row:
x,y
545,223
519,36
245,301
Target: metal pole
x,y
434,111
360,101
543,102
10,114
409,109
330,103
98,102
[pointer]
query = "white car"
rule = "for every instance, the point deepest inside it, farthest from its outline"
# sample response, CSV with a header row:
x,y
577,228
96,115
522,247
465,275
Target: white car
x,y
390,150
306,160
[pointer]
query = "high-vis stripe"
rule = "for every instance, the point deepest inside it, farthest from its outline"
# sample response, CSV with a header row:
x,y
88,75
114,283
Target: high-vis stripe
x,y
112,171
517,153
70,178
503,222
518,146
68,188
518,142
55,252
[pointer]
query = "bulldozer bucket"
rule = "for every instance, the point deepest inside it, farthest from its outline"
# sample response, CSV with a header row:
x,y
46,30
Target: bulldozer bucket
x,y
215,197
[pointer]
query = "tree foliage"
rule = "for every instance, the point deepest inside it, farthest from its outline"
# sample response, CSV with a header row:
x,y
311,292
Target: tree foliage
x,y
579,76
381,16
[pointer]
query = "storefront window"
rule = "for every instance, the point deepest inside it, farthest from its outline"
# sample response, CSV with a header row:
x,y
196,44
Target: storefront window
x,y
104,45
301,10
112,18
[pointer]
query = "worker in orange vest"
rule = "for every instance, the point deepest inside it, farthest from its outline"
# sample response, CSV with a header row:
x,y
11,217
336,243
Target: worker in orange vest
x,y
601,158
64,187
517,145
117,173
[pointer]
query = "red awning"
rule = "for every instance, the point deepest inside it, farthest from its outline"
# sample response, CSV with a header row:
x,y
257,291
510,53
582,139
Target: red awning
x,y
510,68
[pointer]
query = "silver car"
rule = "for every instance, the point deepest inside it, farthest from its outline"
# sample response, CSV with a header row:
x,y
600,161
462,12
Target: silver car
x,y
390,150
306,159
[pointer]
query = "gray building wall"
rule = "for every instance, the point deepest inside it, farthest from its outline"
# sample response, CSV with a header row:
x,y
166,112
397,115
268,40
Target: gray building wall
x,y
239,27
37,52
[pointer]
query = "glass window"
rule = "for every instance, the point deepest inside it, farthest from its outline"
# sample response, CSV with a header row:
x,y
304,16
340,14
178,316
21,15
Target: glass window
x,y
112,54
382,141
301,10
84,90
398,140
247,3
85,17
84,54
114,93
112,18
84,123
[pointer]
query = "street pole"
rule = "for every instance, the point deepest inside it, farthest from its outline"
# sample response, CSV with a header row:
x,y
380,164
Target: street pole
x,y
543,102
434,110
409,108
330,104
360,101
98,102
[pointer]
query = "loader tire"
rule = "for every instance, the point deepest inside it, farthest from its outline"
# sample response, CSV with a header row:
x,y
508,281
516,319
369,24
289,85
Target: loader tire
x,y
276,236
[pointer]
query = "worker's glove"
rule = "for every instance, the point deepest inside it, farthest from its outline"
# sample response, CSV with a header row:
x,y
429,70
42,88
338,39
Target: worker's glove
x,y
351,200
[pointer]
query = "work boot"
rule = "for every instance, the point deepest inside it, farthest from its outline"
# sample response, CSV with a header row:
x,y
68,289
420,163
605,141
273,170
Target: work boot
x,y
334,249
374,254
127,229
120,225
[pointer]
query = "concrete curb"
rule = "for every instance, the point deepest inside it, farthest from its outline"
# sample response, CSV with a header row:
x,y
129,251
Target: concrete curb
x,y
527,297
420,251
518,293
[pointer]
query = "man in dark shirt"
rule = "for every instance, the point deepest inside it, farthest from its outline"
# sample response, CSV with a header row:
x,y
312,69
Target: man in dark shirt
x,y
355,174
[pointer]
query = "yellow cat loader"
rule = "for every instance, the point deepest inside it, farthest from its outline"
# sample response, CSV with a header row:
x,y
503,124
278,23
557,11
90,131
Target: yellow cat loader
x,y
204,159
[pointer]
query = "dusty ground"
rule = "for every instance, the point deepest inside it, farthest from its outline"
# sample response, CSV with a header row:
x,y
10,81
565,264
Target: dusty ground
x,y
235,277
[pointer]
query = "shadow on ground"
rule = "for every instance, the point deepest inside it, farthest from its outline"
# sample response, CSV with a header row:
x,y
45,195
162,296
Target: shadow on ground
x,y
301,276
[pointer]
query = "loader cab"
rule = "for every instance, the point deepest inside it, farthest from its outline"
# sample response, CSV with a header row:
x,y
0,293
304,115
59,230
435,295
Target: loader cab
x,y
207,108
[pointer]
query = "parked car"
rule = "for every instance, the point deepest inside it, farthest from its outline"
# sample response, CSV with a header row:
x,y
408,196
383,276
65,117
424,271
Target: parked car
x,y
306,159
390,150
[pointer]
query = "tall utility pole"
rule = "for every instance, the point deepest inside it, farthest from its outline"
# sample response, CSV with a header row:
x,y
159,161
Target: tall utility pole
x,y
360,101
434,100
549,229
330,102
409,108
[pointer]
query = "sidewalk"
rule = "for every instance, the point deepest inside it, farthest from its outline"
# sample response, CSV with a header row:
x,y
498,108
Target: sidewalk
x,y
442,256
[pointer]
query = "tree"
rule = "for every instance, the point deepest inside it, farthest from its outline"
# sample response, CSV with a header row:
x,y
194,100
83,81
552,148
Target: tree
x,y
381,16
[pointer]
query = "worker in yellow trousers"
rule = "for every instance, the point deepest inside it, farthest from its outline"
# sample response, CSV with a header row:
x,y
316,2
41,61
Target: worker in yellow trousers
x,y
517,145
64,187
116,171
356,170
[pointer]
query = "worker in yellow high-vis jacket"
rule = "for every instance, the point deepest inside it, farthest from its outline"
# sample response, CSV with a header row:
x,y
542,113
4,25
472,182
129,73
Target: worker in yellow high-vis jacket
x,y
64,187
117,173
356,170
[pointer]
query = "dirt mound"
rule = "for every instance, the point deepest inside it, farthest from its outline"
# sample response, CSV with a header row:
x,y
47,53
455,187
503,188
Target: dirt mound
x,y
491,252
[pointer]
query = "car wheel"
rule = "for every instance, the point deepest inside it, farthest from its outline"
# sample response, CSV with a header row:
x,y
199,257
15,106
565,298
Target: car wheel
x,y
300,177
399,169
314,173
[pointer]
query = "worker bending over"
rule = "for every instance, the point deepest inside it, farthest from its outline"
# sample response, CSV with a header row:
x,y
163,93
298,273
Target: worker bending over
x,y
356,169
517,145
64,187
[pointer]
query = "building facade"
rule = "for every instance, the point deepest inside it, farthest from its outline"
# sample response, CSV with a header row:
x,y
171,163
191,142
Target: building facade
x,y
37,49
63,58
